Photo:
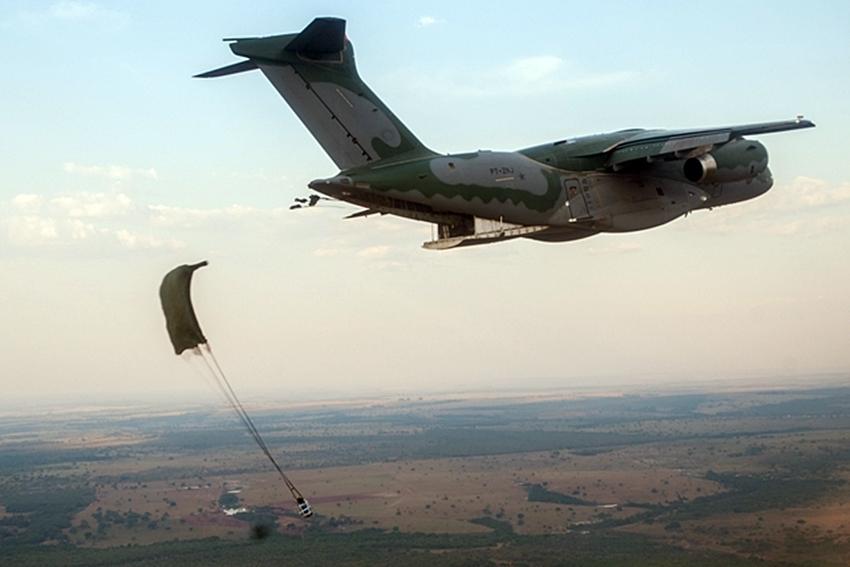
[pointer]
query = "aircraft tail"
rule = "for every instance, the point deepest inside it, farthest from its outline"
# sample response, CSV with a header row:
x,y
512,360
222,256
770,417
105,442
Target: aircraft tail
x,y
316,74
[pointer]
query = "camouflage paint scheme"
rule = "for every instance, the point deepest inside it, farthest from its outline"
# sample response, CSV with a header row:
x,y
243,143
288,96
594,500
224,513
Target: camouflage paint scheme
x,y
569,189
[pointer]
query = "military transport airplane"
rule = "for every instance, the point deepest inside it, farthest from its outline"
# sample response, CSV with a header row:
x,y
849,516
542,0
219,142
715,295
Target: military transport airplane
x,y
565,190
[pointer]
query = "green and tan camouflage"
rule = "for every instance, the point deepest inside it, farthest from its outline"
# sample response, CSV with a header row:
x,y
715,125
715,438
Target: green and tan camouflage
x,y
564,190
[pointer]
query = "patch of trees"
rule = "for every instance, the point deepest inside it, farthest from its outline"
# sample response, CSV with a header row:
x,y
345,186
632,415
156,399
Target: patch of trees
x,y
378,547
41,510
539,493
498,526
129,519
26,459
744,494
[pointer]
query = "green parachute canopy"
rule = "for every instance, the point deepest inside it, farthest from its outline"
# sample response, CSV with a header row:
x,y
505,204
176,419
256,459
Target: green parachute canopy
x,y
176,298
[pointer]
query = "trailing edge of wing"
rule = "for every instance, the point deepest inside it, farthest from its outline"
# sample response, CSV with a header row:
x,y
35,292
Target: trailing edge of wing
x,y
240,67
648,144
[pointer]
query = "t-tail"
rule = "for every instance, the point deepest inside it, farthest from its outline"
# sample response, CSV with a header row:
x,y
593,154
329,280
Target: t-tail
x,y
315,73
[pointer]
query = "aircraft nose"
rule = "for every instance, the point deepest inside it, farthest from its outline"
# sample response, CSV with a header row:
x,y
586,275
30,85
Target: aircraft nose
x,y
337,180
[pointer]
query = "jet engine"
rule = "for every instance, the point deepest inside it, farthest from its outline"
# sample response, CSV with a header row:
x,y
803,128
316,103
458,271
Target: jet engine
x,y
738,160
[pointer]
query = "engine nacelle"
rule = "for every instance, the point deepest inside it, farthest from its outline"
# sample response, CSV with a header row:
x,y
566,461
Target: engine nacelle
x,y
738,160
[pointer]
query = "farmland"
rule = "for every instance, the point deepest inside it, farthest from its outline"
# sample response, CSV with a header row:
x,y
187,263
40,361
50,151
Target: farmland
x,y
668,478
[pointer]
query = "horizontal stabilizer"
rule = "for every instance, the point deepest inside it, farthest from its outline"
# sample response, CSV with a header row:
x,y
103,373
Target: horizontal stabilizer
x,y
322,36
363,213
240,67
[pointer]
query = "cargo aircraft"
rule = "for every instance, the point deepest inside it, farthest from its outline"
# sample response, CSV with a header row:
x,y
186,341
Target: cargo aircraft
x,y
559,191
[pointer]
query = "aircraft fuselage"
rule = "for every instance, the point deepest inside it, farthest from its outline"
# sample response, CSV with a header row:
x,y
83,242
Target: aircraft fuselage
x,y
516,189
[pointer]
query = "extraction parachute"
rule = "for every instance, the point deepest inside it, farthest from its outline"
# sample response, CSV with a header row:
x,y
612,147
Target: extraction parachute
x,y
185,333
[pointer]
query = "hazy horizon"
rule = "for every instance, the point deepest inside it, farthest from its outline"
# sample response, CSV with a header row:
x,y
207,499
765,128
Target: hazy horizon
x,y
199,393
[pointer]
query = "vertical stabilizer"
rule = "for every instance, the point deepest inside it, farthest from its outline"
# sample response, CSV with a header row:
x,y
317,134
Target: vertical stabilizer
x,y
315,73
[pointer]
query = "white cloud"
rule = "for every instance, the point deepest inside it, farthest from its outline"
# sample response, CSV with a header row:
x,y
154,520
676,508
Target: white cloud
x,y
549,73
27,202
784,228
68,10
183,217
133,240
84,204
811,192
427,21
374,252
40,230
805,206
31,230
77,11
80,230
325,252
74,219
617,248
540,67
390,223
114,172
809,226
79,204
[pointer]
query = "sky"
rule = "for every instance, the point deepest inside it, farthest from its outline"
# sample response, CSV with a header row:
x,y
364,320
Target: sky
x,y
115,166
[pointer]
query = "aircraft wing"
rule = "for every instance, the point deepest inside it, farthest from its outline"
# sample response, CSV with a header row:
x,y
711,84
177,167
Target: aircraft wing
x,y
649,144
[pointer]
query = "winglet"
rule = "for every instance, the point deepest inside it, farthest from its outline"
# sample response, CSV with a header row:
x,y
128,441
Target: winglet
x,y
240,67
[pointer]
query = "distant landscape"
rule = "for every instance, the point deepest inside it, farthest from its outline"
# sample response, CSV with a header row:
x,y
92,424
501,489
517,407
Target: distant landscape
x,y
748,477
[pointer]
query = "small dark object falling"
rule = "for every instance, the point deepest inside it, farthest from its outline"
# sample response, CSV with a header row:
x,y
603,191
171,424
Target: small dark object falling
x,y
260,531
309,201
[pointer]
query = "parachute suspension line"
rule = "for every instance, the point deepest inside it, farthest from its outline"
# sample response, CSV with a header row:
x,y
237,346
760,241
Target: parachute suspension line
x,y
237,407
209,382
230,394
234,405
253,428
